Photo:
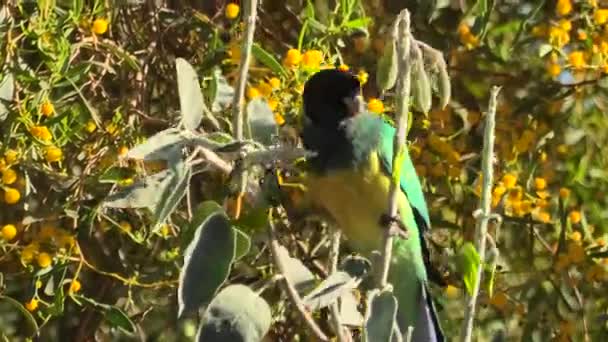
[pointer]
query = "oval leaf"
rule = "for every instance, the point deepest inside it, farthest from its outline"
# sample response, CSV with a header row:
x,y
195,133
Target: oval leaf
x,y
235,314
159,146
119,319
223,92
469,262
28,316
295,271
173,193
202,211
261,121
386,73
349,311
143,194
380,323
330,290
242,244
207,262
7,87
190,95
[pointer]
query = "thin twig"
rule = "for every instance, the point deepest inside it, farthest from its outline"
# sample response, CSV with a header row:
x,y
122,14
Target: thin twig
x,y
238,105
292,294
334,309
403,104
483,219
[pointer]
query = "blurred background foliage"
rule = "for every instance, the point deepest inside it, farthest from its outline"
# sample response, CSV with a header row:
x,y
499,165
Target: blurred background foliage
x,y
82,82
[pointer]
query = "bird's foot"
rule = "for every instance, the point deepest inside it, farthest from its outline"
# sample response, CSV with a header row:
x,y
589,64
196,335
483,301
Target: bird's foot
x,y
395,225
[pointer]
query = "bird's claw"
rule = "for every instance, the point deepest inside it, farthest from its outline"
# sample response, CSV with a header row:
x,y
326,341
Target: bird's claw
x,y
395,225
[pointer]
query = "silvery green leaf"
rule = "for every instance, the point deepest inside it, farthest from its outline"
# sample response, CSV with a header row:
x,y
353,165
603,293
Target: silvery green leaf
x,y
207,261
191,101
380,323
7,86
295,271
235,314
160,146
349,312
330,290
145,193
261,121
223,94
173,193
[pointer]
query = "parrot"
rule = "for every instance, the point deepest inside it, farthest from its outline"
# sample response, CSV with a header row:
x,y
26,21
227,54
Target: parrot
x,y
348,179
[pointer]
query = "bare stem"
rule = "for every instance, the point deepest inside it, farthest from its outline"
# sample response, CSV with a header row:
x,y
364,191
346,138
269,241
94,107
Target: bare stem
x,y
239,95
334,309
292,294
481,228
403,104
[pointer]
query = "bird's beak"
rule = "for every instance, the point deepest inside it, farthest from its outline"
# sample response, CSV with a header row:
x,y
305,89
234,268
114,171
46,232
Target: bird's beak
x,y
354,104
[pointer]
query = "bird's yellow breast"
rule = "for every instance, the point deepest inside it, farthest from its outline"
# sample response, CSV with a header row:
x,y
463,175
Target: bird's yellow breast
x,y
355,199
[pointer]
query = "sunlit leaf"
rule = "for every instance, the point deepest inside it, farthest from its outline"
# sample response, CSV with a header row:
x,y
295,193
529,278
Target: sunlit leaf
x,y
330,289
295,271
144,193
159,146
469,263
173,193
267,59
7,86
223,92
190,96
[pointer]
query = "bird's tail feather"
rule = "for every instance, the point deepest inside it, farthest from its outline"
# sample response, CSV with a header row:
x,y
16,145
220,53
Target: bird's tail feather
x,y
427,327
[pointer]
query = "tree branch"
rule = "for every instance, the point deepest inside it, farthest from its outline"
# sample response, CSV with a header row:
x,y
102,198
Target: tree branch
x,y
483,219
403,104
292,294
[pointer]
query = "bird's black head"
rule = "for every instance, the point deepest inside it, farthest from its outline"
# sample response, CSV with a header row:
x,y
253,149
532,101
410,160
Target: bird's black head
x,y
331,96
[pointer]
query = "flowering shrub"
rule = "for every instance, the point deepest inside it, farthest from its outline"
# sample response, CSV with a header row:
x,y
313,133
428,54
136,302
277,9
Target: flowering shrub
x,y
82,87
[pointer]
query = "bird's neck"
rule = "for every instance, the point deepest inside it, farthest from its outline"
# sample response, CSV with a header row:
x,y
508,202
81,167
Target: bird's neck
x,y
331,144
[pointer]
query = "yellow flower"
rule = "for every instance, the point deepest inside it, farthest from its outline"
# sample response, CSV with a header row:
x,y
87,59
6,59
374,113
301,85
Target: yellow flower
x,y
232,11
553,69
111,128
565,24
576,236
90,126
576,59
126,226
362,76
32,305
539,30
252,93
9,176
274,82
543,216
499,190
44,260
234,50
343,67
292,58
11,156
558,36
165,230
11,196
123,150
581,35
41,132
562,149
75,286
38,284
279,119
28,253
467,38
509,180
375,105
600,16
273,104
564,193
452,292
312,59
499,300
47,108
575,216
52,154
264,88
100,26
9,232
540,183
563,7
